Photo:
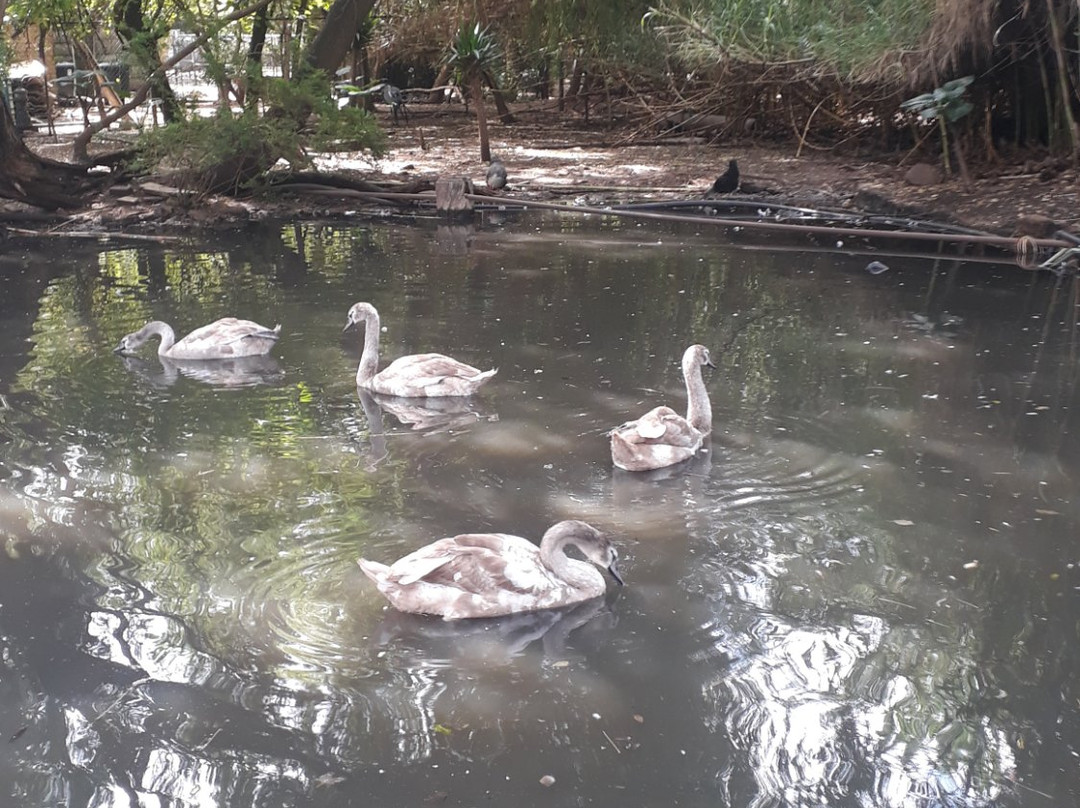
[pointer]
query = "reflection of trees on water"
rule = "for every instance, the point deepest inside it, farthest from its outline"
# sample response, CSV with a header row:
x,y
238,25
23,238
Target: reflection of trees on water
x,y
133,708
182,616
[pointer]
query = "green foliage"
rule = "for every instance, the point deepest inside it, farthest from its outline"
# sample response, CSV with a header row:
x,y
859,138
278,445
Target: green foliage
x,y
473,48
5,59
73,17
850,39
201,144
473,53
946,105
947,101
603,31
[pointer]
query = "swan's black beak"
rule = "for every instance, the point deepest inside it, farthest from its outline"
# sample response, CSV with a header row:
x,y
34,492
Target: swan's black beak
x,y
709,364
615,574
351,322
120,349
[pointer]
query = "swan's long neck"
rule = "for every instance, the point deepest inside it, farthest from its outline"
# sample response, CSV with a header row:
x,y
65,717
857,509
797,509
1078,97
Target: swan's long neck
x,y
163,330
698,407
574,573
369,359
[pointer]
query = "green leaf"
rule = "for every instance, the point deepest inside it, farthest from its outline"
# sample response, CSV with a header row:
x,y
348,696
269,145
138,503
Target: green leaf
x,y
918,102
957,86
955,112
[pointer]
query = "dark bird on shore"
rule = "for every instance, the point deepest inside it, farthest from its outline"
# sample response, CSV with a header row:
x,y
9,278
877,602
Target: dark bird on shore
x,y
728,181
396,99
496,175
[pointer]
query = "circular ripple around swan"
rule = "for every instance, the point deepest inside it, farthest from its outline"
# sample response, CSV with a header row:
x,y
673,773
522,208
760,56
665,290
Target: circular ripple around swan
x,y
801,469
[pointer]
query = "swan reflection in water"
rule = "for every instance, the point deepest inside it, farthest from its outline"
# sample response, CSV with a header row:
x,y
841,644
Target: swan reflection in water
x,y
241,371
671,500
441,414
376,433
495,639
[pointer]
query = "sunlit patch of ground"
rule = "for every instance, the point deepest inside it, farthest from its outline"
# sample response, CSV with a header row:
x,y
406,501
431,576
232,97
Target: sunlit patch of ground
x,y
546,151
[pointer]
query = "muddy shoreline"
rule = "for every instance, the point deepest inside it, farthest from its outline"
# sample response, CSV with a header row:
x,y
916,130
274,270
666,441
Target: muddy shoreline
x,y
577,166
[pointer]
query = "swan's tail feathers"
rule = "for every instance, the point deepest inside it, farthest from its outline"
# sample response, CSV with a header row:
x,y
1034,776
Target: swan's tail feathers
x,y
373,570
622,453
487,374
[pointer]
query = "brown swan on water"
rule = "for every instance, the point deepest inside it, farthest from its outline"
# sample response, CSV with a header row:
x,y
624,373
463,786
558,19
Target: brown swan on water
x,y
227,338
415,376
494,574
662,437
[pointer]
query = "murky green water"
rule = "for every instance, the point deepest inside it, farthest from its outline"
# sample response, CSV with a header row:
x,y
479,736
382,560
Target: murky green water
x,y
865,595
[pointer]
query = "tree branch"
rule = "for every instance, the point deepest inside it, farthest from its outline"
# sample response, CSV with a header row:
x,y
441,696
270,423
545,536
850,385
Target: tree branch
x,y
79,147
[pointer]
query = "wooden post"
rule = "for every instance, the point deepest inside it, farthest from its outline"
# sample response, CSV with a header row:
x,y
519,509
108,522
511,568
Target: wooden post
x,y
450,195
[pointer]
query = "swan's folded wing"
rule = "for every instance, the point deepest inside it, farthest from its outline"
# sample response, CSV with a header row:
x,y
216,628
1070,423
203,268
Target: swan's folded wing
x,y
226,338
473,562
654,424
429,368
681,434
263,333
662,425
415,568
489,563
424,563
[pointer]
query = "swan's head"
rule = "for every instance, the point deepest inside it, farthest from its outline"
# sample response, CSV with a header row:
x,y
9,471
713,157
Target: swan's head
x,y
124,346
130,343
360,313
613,557
593,544
697,355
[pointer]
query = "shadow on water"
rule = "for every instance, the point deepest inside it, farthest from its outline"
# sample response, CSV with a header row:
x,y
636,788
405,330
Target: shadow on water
x,y
864,592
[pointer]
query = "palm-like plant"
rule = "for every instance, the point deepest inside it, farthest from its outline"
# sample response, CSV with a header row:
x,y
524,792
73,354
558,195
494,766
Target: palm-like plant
x,y
473,52
947,104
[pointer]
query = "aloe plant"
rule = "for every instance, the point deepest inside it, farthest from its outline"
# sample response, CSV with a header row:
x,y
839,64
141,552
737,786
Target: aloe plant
x,y
946,105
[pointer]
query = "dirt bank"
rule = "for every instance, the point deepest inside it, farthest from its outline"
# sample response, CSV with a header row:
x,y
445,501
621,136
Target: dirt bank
x,y
548,157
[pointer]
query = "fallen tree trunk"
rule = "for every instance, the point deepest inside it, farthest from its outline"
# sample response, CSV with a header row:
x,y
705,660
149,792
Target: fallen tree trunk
x,y
47,184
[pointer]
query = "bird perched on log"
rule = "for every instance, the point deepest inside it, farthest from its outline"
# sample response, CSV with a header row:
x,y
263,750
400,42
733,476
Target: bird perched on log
x,y
396,99
496,175
728,181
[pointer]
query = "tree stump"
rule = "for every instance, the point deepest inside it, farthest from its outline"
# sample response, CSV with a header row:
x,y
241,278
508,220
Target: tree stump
x,y
450,195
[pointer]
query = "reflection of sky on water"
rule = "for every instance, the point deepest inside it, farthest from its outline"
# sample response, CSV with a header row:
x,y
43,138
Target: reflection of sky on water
x,y
816,717
858,596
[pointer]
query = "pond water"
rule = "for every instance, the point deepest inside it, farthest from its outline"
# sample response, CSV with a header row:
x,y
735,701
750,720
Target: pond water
x,y
865,593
